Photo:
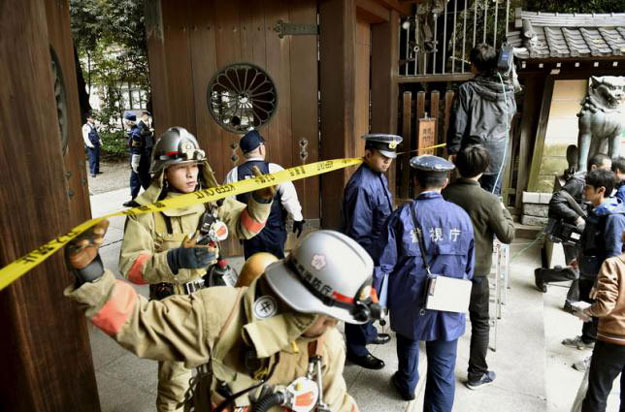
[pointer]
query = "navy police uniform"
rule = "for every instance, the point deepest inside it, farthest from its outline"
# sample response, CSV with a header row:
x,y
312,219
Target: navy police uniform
x,y
92,141
135,145
449,244
272,237
147,142
367,203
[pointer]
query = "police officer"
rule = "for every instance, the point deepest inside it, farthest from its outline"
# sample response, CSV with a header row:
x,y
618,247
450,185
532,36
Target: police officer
x,y
258,339
273,236
448,238
135,145
93,142
367,202
147,142
154,249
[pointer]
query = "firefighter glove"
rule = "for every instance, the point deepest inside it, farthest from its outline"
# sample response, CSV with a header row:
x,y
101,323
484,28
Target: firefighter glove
x,y
190,258
81,254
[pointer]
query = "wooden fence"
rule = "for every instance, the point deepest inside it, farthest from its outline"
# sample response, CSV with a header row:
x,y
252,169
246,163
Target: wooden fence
x,y
424,122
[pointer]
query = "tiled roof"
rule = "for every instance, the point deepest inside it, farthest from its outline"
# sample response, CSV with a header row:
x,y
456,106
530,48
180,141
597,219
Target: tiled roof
x,y
558,35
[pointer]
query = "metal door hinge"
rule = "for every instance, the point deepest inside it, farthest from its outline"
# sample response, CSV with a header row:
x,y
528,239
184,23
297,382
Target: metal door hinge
x,y
293,29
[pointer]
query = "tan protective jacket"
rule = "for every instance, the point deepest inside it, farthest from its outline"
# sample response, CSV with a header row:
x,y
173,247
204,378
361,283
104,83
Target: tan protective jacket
x,y
143,255
190,329
609,305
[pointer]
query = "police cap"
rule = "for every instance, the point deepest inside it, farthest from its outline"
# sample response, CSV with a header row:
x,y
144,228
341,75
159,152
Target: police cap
x,y
130,116
430,163
251,141
383,143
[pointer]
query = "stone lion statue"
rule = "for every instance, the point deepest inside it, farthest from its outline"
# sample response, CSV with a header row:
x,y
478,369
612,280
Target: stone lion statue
x,y
601,119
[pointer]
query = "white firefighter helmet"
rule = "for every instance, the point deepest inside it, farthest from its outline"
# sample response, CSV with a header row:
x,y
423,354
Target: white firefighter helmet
x,y
326,273
175,146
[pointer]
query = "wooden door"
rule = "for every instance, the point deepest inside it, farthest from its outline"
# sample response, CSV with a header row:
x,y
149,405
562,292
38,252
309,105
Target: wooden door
x,y
44,350
190,41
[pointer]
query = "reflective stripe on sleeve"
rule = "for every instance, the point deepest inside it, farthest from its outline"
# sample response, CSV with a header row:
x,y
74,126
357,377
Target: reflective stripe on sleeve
x,y
135,274
250,223
116,311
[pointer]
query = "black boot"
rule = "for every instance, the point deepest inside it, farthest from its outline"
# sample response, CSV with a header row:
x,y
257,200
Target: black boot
x,y
538,280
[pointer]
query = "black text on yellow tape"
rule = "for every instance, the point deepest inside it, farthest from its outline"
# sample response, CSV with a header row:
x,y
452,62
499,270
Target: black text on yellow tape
x,y
18,268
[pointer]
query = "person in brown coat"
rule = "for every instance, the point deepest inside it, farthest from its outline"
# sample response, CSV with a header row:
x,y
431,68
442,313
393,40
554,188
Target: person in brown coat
x,y
608,356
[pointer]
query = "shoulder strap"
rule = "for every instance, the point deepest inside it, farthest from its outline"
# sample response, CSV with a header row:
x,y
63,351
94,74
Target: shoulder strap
x,y
572,203
198,396
162,223
419,235
235,311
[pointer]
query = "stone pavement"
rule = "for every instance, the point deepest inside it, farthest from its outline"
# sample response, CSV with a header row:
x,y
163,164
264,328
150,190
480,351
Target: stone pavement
x,y
533,368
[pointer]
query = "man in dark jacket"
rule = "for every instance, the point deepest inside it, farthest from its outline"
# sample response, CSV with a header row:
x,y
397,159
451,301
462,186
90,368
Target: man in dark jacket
x,y
147,142
560,208
600,240
618,167
367,203
489,218
483,110
135,145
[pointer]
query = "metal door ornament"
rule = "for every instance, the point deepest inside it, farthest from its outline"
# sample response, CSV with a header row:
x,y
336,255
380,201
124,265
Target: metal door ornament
x,y
242,97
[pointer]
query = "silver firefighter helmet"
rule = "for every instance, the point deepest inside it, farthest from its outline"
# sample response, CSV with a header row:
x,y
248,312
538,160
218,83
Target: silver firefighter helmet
x,y
326,273
175,146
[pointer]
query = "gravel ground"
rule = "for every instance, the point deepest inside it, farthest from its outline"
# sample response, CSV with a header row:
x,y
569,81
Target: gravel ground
x,y
115,175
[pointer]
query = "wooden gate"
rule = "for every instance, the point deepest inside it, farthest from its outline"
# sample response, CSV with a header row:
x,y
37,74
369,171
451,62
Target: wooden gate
x,y
424,120
190,41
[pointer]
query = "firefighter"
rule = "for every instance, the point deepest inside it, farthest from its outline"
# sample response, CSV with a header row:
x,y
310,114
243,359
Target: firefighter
x,y
152,250
245,342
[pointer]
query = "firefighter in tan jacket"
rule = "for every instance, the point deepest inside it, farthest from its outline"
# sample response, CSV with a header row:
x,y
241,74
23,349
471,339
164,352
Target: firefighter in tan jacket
x,y
152,249
252,346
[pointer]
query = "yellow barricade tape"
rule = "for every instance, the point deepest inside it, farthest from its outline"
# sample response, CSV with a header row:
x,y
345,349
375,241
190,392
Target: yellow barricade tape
x,y
21,266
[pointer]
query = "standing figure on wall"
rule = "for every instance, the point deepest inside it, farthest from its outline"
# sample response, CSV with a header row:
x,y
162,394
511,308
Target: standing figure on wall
x,y
602,118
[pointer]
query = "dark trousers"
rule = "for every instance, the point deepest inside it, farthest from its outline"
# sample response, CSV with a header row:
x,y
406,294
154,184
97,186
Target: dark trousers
x,y
589,329
270,240
488,183
135,184
144,171
358,336
478,313
440,384
608,360
570,253
94,159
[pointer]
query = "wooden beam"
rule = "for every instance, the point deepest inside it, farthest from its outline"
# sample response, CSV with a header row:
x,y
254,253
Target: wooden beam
x,y
45,352
157,61
458,77
541,131
407,145
337,19
405,9
384,92
372,11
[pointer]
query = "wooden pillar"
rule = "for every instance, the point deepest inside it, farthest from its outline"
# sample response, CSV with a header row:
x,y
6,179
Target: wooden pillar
x,y
528,124
336,74
541,131
44,353
384,91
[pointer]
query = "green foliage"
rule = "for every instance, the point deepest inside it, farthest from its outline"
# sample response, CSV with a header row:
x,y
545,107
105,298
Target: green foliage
x,y
114,144
575,6
109,36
